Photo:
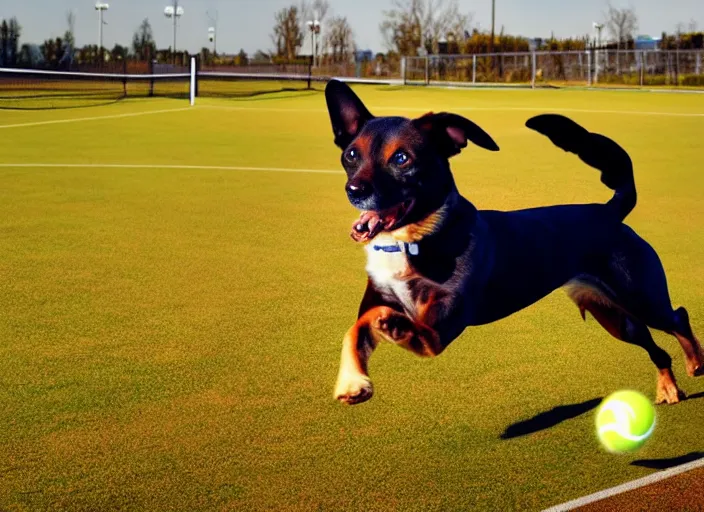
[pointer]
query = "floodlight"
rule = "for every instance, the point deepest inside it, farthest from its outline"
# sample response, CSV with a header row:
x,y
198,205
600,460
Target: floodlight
x,y
101,7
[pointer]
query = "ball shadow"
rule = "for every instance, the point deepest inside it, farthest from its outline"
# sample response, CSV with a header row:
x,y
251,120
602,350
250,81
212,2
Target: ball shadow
x,y
668,463
549,419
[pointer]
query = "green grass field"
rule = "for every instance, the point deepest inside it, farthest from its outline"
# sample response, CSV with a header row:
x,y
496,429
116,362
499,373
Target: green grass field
x,y
170,335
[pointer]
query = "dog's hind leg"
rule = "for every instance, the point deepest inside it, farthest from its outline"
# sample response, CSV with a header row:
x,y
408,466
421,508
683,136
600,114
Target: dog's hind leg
x,y
636,276
682,330
622,325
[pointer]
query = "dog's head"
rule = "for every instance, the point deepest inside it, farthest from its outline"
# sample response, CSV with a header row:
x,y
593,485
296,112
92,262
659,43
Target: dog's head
x,y
397,168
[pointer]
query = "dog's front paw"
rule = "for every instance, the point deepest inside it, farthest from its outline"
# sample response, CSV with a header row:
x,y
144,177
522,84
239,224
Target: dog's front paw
x,y
353,389
366,227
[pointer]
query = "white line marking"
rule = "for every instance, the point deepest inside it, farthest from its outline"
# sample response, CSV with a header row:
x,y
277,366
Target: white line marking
x,y
175,167
264,109
470,109
117,76
628,486
97,118
587,111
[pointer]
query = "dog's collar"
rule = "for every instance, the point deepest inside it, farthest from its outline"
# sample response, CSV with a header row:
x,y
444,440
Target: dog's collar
x,y
406,248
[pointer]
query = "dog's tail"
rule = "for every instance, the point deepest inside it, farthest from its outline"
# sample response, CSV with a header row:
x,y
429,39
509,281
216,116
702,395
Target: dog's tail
x,y
597,151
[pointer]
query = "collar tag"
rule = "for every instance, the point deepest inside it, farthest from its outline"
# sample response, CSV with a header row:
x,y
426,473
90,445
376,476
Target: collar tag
x,y
403,247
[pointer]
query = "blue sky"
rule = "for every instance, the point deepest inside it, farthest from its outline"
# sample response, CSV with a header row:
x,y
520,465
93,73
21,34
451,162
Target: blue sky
x,y
248,23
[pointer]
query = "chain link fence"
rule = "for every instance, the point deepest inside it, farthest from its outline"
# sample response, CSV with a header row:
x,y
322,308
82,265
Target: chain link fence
x,y
590,68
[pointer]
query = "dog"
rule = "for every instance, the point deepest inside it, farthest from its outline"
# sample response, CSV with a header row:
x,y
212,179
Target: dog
x,y
437,265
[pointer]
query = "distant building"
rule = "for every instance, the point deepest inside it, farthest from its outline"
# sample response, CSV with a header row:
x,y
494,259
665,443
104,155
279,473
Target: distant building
x,y
643,42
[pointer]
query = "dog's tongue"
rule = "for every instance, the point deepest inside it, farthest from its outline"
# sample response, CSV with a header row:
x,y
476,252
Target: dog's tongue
x,y
371,224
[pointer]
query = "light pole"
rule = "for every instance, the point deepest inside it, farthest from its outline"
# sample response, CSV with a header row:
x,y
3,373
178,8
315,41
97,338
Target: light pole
x,y
174,11
213,31
493,23
598,27
101,8
314,27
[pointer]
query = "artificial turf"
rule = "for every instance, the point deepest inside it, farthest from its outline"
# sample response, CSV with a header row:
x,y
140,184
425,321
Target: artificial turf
x,y
170,336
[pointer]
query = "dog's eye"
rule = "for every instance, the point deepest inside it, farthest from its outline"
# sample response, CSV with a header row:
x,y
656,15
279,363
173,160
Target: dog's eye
x,y
400,159
352,155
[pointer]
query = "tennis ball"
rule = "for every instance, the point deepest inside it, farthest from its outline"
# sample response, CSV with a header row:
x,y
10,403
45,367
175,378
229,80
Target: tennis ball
x,y
624,421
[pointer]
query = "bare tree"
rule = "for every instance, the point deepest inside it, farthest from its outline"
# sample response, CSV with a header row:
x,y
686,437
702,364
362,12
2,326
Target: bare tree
x,y
69,42
317,9
70,34
460,26
287,35
143,44
339,39
402,29
414,24
693,25
621,23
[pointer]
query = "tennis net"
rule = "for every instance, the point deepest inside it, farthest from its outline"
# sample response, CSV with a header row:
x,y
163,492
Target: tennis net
x,y
225,84
37,89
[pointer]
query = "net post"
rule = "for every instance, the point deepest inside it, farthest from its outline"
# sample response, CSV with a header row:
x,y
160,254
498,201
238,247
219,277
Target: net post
x,y
310,72
403,70
427,70
589,68
677,66
533,70
474,68
124,77
151,76
193,81
199,65
642,67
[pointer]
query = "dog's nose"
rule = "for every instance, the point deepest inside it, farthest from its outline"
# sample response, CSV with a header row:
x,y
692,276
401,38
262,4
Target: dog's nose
x,y
359,190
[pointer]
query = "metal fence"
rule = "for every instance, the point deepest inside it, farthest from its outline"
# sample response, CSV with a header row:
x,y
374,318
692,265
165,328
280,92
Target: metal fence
x,y
600,67
586,68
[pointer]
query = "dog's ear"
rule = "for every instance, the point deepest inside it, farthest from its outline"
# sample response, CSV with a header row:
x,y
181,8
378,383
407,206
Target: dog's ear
x,y
348,114
450,133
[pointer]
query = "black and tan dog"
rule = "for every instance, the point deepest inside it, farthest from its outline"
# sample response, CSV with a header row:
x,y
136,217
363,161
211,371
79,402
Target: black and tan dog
x,y
437,265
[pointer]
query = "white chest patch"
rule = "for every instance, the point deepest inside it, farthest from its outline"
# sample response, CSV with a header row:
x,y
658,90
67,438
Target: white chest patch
x,y
388,271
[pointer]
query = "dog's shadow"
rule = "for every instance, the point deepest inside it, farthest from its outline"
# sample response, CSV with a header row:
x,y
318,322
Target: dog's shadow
x,y
696,395
549,419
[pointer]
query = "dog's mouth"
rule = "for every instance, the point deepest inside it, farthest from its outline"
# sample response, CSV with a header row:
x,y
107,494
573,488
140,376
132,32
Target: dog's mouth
x,y
371,223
